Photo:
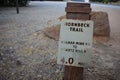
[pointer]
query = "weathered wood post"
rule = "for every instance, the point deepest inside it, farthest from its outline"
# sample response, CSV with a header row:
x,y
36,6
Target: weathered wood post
x,y
79,11
17,7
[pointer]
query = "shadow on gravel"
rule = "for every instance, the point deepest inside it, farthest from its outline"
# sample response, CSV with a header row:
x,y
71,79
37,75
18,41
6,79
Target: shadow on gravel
x,y
2,78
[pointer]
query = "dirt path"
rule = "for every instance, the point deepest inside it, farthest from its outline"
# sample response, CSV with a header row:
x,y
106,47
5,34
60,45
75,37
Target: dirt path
x,y
27,54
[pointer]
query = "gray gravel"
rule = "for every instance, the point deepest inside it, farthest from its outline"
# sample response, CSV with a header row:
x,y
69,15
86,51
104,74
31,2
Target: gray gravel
x,y
27,54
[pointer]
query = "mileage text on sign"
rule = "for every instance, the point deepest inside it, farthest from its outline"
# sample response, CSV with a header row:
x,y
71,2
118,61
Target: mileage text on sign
x,y
75,42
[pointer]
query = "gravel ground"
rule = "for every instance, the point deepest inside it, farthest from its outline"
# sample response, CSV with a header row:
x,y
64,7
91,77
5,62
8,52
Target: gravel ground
x,y
27,54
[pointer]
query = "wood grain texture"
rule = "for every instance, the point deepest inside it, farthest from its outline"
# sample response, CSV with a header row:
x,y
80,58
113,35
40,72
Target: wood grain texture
x,y
79,11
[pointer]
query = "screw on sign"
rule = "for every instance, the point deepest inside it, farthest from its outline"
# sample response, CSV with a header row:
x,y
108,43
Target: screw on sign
x,y
80,11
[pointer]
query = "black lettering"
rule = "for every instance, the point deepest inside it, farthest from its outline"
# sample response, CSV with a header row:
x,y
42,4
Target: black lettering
x,y
76,42
82,43
74,46
84,51
76,51
69,42
86,25
68,24
78,24
70,60
81,30
73,29
65,49
75,24
72,24
77,29
73,42
72,50
81,24
70,28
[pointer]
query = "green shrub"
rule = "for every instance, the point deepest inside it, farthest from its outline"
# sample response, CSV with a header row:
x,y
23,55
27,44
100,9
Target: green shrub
x,y
105,1
114,0
13,2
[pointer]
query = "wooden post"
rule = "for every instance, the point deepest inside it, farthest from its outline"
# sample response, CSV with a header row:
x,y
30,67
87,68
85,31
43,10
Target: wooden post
x,y
79,11
17,7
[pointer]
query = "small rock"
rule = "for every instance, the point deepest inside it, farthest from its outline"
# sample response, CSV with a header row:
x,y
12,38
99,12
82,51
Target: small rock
x,y
41,71
2,78
52,32
35,34
40,76
101,23
110,44
57,71
1,57
11,48
18,63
